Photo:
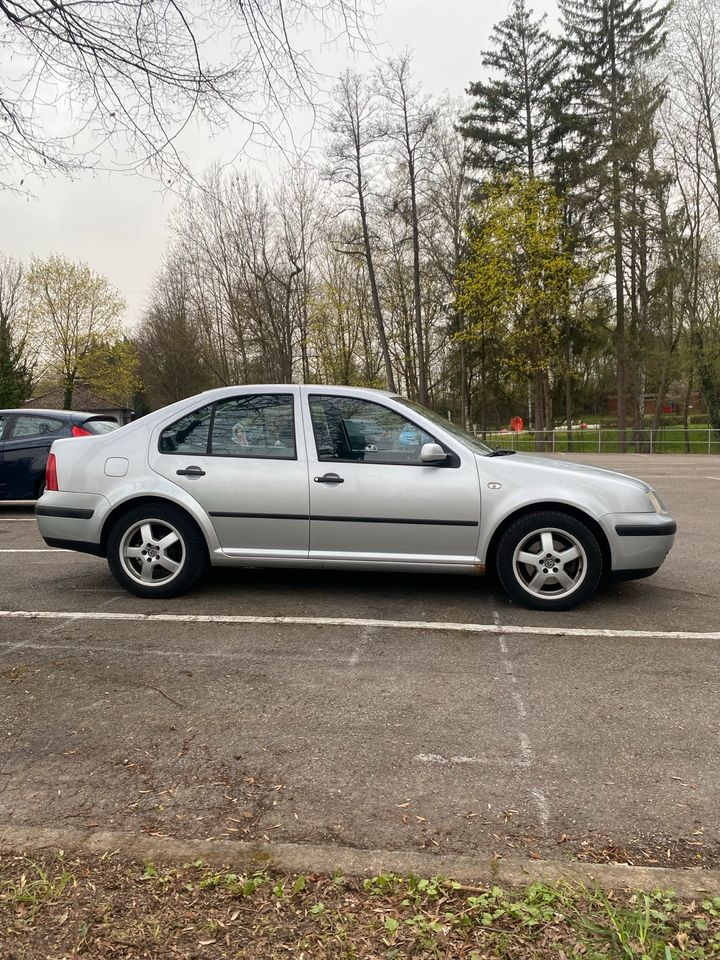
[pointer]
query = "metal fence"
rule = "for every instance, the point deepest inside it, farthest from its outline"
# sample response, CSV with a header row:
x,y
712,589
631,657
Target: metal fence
x,y
663,440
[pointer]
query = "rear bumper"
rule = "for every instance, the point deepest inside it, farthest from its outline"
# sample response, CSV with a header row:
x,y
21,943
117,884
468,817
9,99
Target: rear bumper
x,y
72,521
80,546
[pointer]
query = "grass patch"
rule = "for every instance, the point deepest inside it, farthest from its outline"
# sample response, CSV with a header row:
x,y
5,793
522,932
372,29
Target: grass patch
x,y
106,907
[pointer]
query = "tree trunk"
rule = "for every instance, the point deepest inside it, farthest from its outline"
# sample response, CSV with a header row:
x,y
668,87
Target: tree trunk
x,y
69,390
620,337
539,411
417,295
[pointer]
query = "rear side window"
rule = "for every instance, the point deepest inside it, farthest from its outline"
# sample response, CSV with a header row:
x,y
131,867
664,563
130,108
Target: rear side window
x,y
31,426
262,425
189,435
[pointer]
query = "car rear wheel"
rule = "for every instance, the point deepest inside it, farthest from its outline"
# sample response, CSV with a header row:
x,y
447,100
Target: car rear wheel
x,y
548,560
156,551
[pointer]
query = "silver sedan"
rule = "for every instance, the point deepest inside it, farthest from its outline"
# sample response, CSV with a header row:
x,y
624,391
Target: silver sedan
x,y
344,478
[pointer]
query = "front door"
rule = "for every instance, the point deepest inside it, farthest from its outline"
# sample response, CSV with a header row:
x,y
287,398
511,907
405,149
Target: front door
x,y
243,459
371,497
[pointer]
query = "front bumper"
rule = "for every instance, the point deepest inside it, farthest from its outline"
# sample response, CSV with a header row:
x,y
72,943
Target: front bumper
x,y
639,542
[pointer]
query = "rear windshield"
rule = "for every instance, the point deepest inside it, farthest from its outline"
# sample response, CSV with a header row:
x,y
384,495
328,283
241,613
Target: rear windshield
x,y
100,426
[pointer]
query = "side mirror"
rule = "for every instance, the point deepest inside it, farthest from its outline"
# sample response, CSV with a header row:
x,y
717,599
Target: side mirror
x,y
432,453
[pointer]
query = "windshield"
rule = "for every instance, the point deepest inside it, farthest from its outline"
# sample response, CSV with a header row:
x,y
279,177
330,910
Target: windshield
x,y
467,438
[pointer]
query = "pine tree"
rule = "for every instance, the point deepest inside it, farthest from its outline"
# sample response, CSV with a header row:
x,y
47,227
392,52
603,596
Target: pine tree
x,y
15,377
15,365
612,43
510,123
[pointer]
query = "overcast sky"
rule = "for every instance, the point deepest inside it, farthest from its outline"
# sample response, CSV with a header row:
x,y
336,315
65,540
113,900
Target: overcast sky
x,y
118,224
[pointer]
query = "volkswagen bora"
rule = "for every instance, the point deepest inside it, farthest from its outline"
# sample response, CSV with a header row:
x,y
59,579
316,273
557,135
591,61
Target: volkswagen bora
x,y
296,476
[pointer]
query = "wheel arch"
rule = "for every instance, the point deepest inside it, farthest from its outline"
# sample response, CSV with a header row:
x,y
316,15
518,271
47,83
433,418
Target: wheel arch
x,y
134,502
576,512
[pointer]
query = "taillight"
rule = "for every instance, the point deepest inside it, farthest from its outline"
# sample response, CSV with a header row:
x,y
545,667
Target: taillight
x,y
80,432
51,480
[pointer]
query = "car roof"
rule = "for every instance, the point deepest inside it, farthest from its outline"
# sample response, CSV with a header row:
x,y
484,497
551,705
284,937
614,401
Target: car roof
x,y
55,413
294,387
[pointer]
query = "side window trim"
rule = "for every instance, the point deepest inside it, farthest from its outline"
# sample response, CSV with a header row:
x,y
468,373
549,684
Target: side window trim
x,y
453,460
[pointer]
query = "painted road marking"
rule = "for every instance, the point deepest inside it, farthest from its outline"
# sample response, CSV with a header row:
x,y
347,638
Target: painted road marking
x,y
526,750
35,550
434,625
441,760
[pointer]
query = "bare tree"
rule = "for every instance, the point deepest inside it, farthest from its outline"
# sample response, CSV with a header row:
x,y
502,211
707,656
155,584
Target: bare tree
x,y
304,222
447,196
169,342
134,74
354,125
409,120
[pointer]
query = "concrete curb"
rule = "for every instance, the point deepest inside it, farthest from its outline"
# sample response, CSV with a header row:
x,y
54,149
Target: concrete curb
x,y
327,858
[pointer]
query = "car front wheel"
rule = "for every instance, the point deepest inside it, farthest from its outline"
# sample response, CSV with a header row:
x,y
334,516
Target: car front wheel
x,y
156,551
548,560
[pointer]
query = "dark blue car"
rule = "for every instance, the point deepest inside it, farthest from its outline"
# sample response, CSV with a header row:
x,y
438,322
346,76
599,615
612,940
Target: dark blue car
x,y
25,440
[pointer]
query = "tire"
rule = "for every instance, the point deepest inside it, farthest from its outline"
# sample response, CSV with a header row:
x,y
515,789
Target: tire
x,y
156,551
548,560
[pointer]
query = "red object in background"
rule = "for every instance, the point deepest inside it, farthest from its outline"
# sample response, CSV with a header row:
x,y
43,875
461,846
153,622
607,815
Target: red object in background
x,y
668,409
517,424
583,426
80,432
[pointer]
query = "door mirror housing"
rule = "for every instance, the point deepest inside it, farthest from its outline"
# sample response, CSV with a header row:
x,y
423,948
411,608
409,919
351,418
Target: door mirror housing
x,y
432,453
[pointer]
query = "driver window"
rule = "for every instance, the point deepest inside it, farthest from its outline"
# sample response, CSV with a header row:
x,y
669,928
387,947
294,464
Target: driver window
x,y
350,429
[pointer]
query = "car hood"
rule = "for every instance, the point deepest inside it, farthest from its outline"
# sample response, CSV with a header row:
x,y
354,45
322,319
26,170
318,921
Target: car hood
x,y
594,489
551,467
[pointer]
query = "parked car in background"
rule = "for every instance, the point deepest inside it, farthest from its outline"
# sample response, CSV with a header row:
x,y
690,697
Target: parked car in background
x,y
25,440
290,476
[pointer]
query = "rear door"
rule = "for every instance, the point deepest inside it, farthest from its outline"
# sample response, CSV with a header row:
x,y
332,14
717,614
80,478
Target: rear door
x,y
371,497
243,459
25,452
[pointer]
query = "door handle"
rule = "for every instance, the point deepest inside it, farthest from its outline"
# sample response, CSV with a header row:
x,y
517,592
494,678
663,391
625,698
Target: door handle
x,y
191,472
329,478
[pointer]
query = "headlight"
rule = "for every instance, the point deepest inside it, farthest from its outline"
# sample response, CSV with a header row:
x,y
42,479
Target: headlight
x,y
654,498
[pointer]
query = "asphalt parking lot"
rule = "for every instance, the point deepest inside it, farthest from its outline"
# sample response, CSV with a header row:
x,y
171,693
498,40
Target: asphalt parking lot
x,y
383,712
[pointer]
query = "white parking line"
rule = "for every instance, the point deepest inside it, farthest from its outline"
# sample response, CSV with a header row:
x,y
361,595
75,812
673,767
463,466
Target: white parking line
x,y
435,625
441,760
34,550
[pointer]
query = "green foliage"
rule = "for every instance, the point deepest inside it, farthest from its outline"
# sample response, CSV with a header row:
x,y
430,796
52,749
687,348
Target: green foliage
x,y
112,369
163,912
71,309
518,282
